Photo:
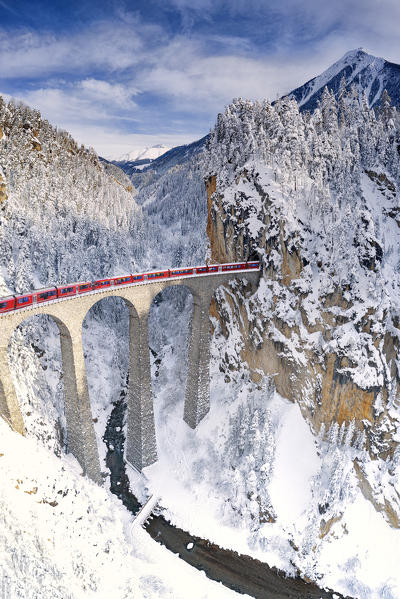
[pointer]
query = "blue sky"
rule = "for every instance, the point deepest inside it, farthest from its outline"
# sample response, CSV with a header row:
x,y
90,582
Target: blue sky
x,y
123,74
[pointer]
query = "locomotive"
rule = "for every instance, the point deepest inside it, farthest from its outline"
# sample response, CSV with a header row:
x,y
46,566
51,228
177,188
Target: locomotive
x,y
48,294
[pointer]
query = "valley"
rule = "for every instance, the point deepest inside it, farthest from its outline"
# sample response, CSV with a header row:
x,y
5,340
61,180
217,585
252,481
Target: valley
x,y
285,475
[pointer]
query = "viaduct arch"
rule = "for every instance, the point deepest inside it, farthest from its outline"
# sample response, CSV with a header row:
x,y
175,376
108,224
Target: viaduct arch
x,y
69,314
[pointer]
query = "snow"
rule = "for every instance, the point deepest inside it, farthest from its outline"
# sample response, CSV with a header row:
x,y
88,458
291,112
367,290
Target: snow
x,y
296,463
63,537
368,549
359,59
148,153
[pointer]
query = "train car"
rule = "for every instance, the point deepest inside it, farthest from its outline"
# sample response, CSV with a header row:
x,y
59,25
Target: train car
x,y
136,278
163,274
181,272
22,301
84,287
213,268
122,280
239,266
102,283
44,295
7,304
66,290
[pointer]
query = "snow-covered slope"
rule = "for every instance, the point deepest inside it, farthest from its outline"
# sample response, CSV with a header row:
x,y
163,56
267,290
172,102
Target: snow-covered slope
x,y
369,74
64,216
63,537
171,194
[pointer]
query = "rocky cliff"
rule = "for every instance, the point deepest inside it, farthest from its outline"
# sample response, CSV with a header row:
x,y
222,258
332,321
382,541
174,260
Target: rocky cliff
x,y
316,198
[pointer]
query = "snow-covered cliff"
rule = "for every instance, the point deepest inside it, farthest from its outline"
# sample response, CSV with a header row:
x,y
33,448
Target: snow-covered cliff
x,y
316,197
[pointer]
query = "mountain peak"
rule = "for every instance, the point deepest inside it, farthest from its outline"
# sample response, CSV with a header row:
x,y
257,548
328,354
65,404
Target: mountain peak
x,y
356,55
356,52
370,74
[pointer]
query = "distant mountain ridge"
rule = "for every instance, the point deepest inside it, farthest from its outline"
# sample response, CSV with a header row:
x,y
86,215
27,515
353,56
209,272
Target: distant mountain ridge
x,y
368,73
144,154
170,158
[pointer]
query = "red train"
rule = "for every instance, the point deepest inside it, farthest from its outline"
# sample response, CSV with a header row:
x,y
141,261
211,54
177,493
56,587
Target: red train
x,y
14,302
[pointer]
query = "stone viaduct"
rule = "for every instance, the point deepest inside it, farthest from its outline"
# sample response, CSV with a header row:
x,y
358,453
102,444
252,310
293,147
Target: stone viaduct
x,y
69,314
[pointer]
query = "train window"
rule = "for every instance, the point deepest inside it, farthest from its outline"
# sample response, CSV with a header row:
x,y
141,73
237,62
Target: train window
x,y
3,305
124,280
23,300
44,296
137,277
104,283
66,290
82,287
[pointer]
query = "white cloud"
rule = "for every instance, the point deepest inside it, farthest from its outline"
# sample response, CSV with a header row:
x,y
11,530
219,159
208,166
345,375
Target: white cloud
x,y
113,46
294,26
104,92
87,100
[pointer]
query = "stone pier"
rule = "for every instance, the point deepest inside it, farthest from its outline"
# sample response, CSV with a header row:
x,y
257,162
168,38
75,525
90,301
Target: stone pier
x,y
197,397
141,448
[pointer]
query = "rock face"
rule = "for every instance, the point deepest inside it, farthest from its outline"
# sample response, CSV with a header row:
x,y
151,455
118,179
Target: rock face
x,y
309,373
3,190
300,192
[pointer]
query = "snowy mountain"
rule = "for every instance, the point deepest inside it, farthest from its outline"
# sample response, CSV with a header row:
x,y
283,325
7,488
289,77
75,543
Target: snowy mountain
x,y
148,153
317,198
65,203
369,74
176,156
139,159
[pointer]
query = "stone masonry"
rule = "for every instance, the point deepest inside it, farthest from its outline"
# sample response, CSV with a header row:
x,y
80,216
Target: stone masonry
x,y
69,314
